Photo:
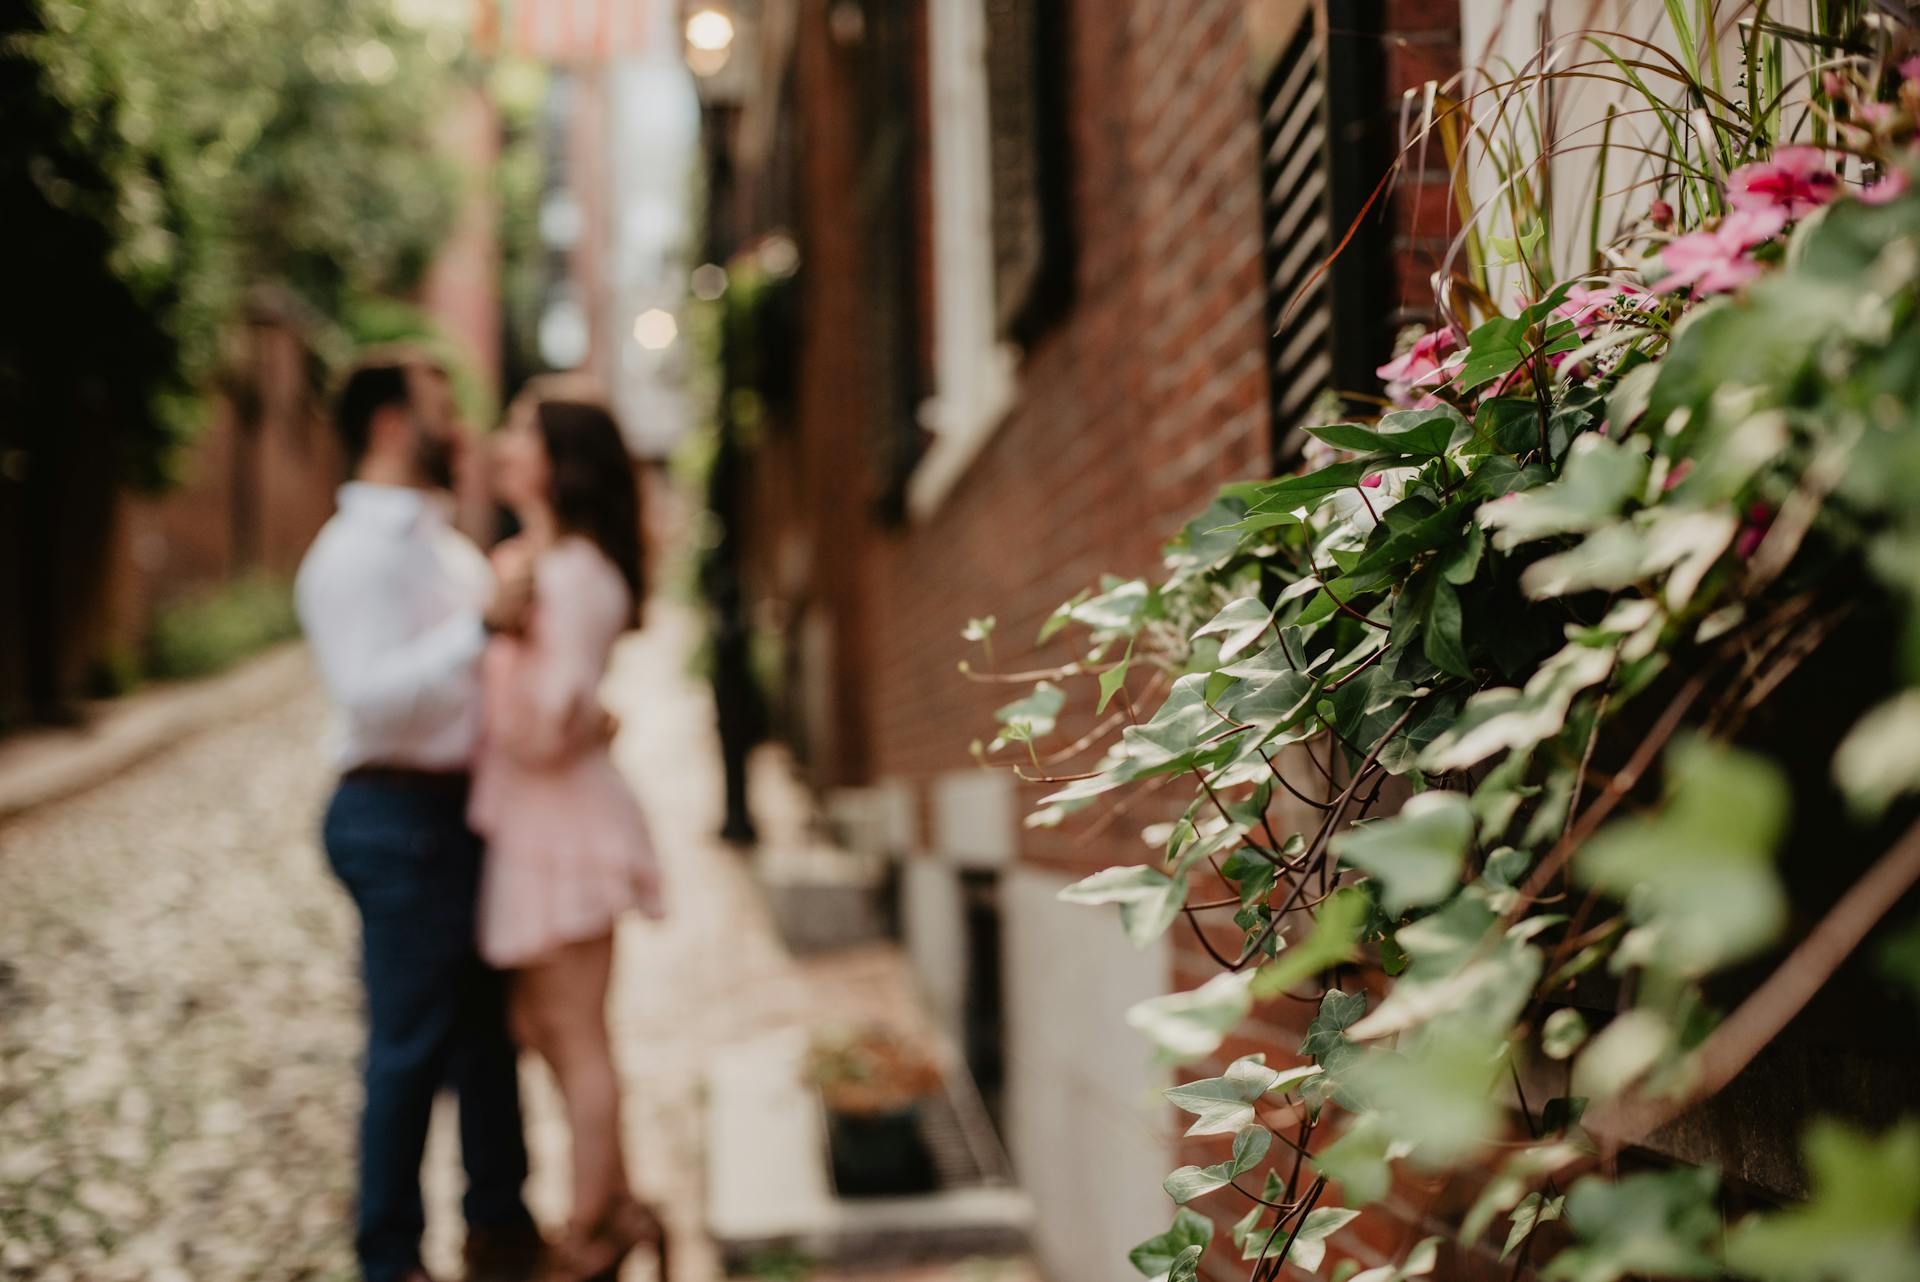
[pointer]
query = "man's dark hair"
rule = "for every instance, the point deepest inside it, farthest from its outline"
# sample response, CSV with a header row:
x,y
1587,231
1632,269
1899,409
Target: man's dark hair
x,y
380,378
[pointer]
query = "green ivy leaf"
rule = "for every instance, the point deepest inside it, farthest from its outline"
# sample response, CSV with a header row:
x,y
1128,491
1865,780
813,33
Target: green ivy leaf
x,y
1534,1210
1310,489
1697,874
1653,1224
1149,899
1440,636
1514,1180
1332,942
1225,1103
1879,760
1505,718
1599,478
1861,1223
1309,1242
1417,854
1359,1161
1424,433
1328,1045
1113,679
1030,718
1250,1147
1238,625
1412,535
1420,1261
1156,1256
1455,974
1562,1033
1189,1025
1435,1094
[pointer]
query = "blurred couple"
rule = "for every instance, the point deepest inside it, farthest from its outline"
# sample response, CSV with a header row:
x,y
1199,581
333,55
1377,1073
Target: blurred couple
x,y
480,825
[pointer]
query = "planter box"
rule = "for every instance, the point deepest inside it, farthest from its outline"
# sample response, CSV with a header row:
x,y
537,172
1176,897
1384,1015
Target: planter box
x,y
879,1154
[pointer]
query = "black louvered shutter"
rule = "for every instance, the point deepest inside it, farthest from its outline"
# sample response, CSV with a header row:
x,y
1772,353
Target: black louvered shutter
x,y
1027,161
885,200
1322,121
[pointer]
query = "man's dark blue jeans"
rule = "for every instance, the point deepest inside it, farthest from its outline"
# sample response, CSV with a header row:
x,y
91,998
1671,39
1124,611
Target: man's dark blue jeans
x,y
435,1012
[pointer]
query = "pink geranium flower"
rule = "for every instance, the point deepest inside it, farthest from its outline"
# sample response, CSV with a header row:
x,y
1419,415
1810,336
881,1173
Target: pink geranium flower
x,y
1797,181
1753,530
1425,364
1713,262
1910,68
1891,186
1587,308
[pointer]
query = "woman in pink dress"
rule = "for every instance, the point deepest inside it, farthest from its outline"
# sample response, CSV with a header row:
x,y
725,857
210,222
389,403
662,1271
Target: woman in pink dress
x,y
567,847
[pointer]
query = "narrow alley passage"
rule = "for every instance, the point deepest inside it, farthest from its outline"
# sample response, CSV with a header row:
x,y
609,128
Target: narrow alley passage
x,y
179,1022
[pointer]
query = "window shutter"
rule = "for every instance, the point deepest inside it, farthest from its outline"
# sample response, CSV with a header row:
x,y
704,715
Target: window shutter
x,y
1027,159
885,200
1321,121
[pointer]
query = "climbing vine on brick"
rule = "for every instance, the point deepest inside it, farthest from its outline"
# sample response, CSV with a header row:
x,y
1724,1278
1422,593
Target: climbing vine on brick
x,y
1474,708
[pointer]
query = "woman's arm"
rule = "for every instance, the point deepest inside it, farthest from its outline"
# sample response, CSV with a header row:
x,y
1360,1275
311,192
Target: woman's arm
x,y
553,711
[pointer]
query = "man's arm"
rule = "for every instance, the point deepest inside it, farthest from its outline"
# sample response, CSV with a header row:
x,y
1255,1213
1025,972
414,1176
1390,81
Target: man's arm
x,y
354,612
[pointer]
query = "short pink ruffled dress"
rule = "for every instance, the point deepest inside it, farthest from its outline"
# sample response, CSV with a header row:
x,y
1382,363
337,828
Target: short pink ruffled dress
x,y
567,846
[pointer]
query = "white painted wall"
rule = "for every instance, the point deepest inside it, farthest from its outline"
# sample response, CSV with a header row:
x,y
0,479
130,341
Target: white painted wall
x,y
1087,1129
931,920
976,817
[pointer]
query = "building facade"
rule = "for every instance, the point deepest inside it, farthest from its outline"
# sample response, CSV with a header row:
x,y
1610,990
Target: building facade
x,y
1063,270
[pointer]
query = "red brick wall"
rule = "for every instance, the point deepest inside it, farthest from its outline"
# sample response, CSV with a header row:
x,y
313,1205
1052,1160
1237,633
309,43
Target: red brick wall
x,y
1131,410
251,494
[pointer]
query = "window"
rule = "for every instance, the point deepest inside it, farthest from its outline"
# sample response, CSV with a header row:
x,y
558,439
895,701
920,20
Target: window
x,y
1322,134
973,367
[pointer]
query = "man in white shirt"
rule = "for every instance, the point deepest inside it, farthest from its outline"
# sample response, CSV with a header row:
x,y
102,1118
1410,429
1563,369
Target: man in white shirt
x,y
397,607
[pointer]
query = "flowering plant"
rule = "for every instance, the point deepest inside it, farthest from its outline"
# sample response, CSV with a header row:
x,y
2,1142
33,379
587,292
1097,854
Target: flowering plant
x,y
1512,718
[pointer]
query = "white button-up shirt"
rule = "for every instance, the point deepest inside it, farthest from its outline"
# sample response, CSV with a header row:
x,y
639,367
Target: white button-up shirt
x,y
391,598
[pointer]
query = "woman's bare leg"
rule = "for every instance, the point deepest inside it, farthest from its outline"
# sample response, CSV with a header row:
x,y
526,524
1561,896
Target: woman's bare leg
x,y
561,1006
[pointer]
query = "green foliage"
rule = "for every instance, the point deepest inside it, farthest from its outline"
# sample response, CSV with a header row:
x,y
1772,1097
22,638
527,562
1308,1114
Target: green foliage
x,y
1614,521
245,141
206,635
1862,1223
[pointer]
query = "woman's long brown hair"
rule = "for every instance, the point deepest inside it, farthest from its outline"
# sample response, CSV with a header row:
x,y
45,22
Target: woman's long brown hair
x,y
595,492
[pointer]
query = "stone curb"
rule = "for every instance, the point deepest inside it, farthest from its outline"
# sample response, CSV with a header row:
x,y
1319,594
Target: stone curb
x,y
40,766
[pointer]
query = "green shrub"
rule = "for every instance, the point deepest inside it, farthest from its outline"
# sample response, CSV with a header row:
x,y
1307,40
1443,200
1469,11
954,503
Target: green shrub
x,y
209,633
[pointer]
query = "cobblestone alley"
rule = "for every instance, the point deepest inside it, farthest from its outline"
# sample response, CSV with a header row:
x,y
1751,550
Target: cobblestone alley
x,y
179,1022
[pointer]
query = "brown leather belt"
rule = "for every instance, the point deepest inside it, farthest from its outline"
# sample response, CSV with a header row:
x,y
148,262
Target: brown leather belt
x,y
410,777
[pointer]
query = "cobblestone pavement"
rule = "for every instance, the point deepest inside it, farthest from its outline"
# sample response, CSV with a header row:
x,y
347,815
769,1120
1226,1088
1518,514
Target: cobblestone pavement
x,y
179,1015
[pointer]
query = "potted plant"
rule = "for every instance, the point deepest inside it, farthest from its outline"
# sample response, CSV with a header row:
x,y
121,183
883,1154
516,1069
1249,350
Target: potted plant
x,y
873,1086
